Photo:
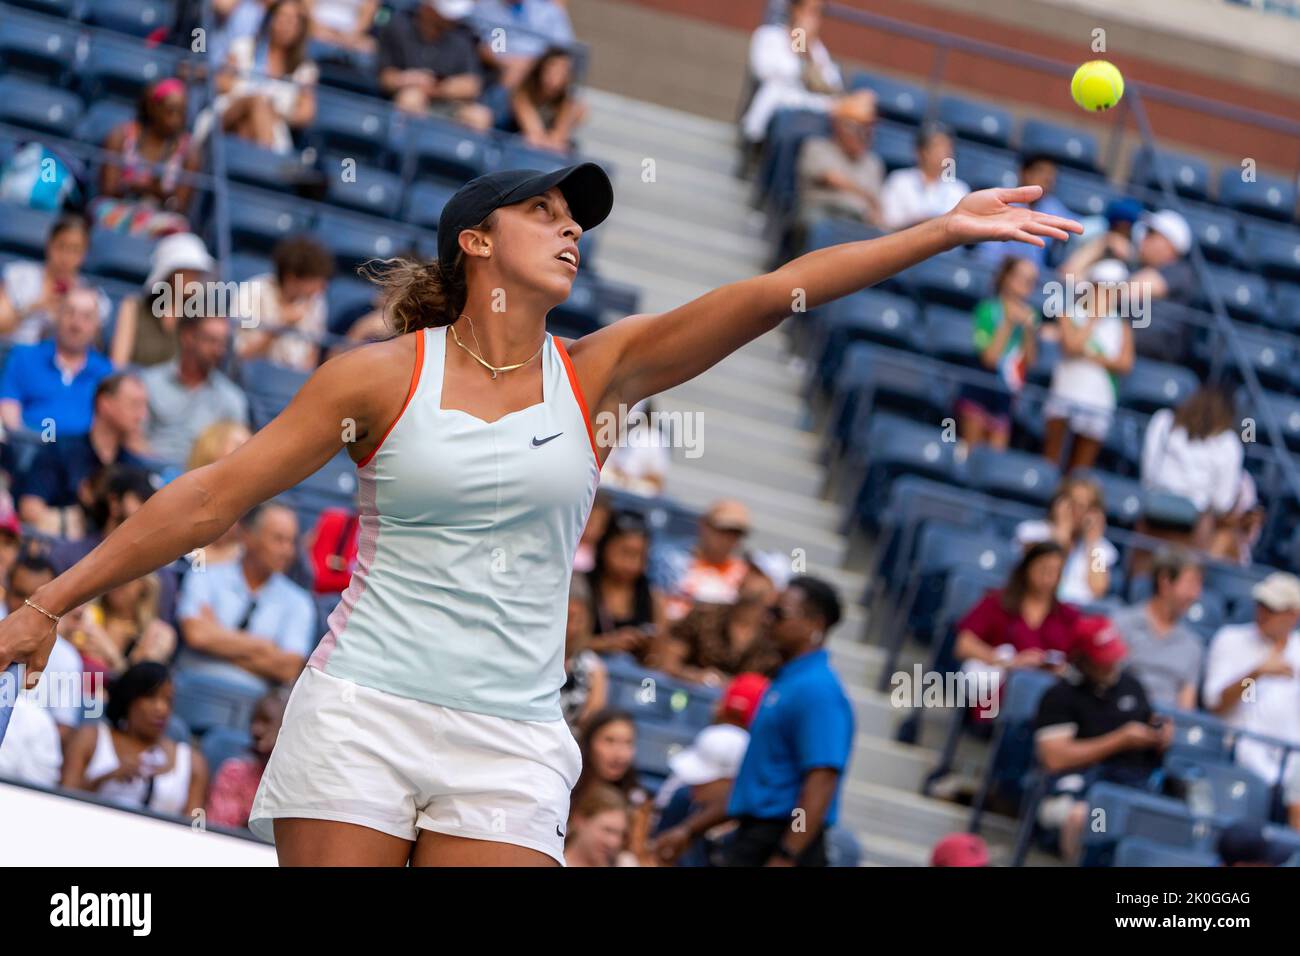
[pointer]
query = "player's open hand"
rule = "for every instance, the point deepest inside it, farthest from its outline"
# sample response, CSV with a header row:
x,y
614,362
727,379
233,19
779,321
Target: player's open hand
x,y
988,215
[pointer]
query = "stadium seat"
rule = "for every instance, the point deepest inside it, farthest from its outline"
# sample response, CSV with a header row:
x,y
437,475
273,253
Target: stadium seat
x,y
776,174
348,299
985,167
36,106
119,256
655,746
1122,496
1274,250
366,189
1269,196
243,266
137,17
356,126
941,550
1286,411
53,8
98,121
1083,193
269,388
514,153
1011,761
1188,175
1205,616
1012,474
424,202
1227,791
1270,355
205,702
1141,852
1155,385
1129,812
333,485
870,315
1200,737
37,46
224,743
979,122
580,313
259,219
1167,510
951,279
895,99
895,446
1216,232
1244,295
1234,585
832,231
443,148
895,144
353,240
23,229
178,729
1069,147
249,163
948,335
123,69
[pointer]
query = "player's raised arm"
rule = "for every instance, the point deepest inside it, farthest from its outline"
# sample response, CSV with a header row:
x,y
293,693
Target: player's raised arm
x,y
656,352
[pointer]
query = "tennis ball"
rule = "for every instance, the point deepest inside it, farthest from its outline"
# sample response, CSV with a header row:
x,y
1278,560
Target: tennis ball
x,y
1097,85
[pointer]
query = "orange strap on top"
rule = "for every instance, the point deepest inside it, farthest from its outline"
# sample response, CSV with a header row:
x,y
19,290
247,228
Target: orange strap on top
x,y
577,393
410,393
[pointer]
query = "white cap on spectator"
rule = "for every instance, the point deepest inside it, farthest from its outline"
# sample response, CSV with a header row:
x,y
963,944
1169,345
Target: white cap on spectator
x,y
182,251
774,565
453,9
1278,592
715,754
1108,270
1172,226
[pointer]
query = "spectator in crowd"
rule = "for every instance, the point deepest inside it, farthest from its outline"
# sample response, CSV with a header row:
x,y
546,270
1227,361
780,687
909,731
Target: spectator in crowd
x,y
639,462
800,741
1164,653
541,24
1244,843
544,107
586,681
60,690
1036,169
289,316
429,63
11,533
716,640
31,293
145,333
122,628
245,621
231,798
838,175
32,752
928,189
1156,253
792,69
1252,675
1195,452
344,23
960,849
1005,331
52,491
189,393
598,829
597,521
1023,624
268,88
608,750
214,442
143,189
628,612
128,759
1076,520
1094,724
234,20
116,493
49,387
1096,352
716,566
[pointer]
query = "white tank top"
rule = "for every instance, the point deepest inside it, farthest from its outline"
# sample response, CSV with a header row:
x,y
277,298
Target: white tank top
x,y
170,792
467,535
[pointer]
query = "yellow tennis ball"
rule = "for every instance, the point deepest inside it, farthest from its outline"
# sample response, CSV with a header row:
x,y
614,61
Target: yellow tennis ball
x,y
1097,85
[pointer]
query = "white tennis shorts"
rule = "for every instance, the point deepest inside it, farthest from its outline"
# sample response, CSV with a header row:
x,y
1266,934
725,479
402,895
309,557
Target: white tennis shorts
x,y
360,755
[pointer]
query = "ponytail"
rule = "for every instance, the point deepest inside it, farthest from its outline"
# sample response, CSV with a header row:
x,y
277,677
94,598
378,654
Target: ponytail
x,y
418,295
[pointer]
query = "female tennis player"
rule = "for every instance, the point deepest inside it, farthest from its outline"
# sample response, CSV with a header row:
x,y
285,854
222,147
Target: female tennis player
x,y
427,727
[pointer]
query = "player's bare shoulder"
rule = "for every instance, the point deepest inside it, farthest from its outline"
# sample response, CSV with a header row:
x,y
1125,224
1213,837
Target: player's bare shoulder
x,y
368,383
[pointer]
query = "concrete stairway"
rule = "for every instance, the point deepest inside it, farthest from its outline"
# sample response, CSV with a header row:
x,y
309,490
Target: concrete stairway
x,y
682,225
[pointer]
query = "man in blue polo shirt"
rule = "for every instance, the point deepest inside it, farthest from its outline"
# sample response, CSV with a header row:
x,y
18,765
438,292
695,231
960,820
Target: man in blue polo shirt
x,y
787,791
53,382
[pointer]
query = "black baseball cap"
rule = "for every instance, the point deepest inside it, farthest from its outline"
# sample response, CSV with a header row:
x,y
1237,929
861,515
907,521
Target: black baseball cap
x,y
586,189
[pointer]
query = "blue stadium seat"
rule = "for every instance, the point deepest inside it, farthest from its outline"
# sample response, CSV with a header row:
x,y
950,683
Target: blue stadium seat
x,y
1188,175
356,126
333,485
1011,761
1244,295
367,189
1012,474
1168,510
224,743
952,279
123,69
580,313
424,202
948,335
1269,196
23,229
979,122
1286,307
895,99
204,701
39,107
634,688
514,153
178,730
1122,496
247,162
1154,385
943,549
895,446
1205,616
348,298
1285,408
786,132
98,121
1270,355
895,144
37,46
136,17
1141,852
119,256
870,315
1199,736
985,167
269,388
353,239
259,219
1216,232
1231,792
1274,250
1234,585
1069,147
1129,812
655,746
443,148
832,231
243,266
1083,193
52,8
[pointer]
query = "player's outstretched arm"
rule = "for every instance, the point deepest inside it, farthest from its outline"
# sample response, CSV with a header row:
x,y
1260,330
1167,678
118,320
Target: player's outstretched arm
x,y
645,354
200,505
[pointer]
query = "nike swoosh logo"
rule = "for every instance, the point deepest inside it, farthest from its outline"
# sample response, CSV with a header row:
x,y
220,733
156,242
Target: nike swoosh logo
x,y
558,833
538,442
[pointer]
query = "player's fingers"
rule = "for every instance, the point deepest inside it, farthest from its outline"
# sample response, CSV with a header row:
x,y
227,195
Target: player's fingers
x,y
1060,222
1019,193
1028,238
1044,229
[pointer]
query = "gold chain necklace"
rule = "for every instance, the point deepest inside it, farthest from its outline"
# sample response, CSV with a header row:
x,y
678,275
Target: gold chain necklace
x,y
494,369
